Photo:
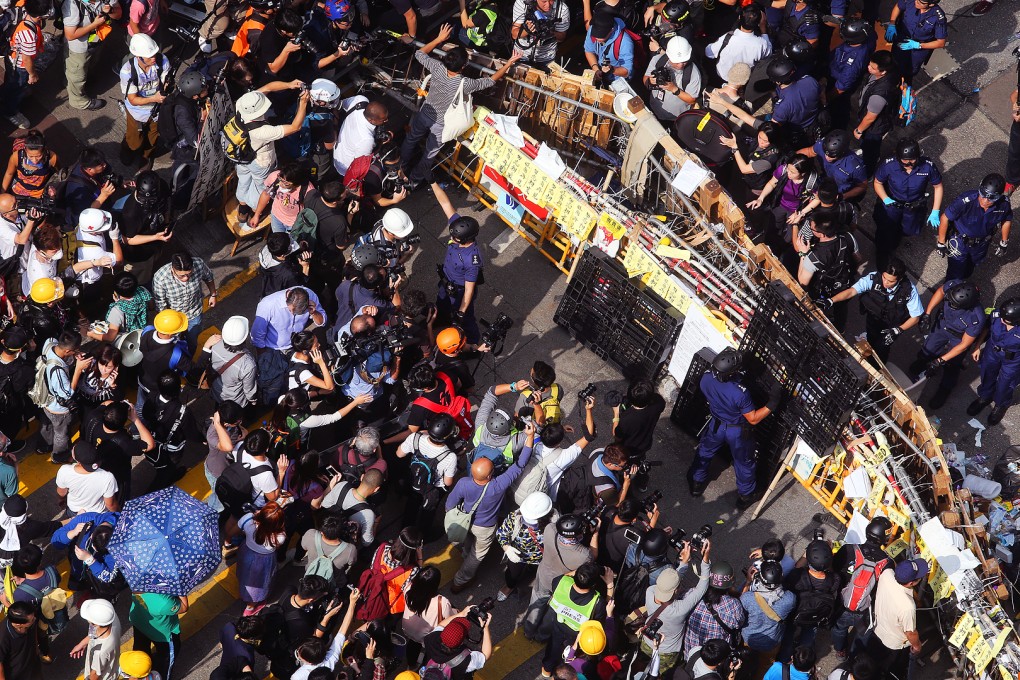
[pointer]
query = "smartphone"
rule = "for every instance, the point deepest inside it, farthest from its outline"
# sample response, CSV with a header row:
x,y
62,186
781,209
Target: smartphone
x,y
632,536
332,471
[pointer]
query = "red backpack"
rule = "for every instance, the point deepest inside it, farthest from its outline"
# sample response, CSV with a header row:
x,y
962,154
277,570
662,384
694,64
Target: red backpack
x,y
373,599
357,171
640,53
459,407
864,573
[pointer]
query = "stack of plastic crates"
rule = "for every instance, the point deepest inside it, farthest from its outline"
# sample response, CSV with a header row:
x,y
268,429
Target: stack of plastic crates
x,y
690,409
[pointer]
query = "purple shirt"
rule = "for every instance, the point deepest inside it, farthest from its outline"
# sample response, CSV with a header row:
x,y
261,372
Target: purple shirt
x,y
467,491
274,322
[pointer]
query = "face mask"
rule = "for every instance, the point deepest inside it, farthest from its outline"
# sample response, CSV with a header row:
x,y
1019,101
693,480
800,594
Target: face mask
x,y
93,631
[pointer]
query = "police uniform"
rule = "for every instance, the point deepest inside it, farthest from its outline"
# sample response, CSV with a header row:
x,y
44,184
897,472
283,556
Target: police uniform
x,y
922,26
847,171
796,108
1000,363
797,24
973,229
906,216
952,325
728,402
461,264
848,65
886,308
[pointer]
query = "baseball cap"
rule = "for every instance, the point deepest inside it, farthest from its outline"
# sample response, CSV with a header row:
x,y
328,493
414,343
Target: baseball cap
x,y
86,455
454,633
911,570
666,584
739,74
15,338
99,612
602,25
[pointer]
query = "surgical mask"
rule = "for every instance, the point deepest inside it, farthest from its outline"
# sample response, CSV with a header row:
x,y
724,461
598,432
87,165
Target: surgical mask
x,y
93,631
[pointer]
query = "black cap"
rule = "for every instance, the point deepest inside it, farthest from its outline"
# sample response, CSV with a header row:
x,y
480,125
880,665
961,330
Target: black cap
x,y
15,506
86,455
15,338
602,25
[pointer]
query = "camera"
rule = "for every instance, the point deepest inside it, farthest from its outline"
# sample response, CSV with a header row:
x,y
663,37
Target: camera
x,y
591,515
108,175
652,630
185,33
45,205
479,610
613,398
588,391
395,271
393,183
644,466
663,76
495,332
649,503
699,537
392,249
677,538
819,533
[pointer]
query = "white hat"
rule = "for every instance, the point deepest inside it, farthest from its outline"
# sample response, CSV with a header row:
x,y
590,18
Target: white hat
x,y
94,221
235,331
536,506
398,223
142,46
99,612
252,105
324,90
678,49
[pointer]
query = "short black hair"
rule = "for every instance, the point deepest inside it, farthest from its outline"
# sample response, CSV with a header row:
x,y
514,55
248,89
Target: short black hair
x,y
312,587
230,412
20,612
773,549
125,285
543,374
828,190
414,303
257,442
250,627
101,536
423,376
456,59
168,383
553,435
587,575
882,59
312,651
640,393
115,415
69,340
27,560
804,658
278,244
750,17
288,21
295,172
182,262
628,510
332,528
823,224
895,267
331,191
37,8
91,157
714,651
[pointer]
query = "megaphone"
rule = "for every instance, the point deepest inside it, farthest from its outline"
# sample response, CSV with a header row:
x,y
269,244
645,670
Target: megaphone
x,y
128,344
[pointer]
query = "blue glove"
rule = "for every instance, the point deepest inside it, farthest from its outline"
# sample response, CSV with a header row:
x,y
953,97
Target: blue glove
x,y
888,201
933,218
910,45
890,32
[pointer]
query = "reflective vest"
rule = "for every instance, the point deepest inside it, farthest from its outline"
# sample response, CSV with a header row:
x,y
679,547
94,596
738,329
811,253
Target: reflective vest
x,y
478,35
567,612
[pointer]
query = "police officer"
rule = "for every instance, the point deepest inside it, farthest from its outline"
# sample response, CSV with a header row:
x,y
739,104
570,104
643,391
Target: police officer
x,y
920,27
890,304
847,68
901,183
800,21
952,321
796,101
976,217
828,263
841,164
733,414
461,274
999,361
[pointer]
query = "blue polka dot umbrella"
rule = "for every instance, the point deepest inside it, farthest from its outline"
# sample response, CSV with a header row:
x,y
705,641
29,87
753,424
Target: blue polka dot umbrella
x,y
166,542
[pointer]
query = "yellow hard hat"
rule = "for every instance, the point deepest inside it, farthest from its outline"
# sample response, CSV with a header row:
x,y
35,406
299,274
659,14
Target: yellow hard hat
x,y
591,638
170,322
47,290
450,340
407,675
135,664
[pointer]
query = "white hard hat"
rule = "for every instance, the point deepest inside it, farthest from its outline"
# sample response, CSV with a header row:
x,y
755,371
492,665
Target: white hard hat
x,y
324,90
235,331
536,506
398,223
98,612
94,221
678,49
252,105
142,46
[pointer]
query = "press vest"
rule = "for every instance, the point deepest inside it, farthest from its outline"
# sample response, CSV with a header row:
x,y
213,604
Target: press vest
x,y
569,613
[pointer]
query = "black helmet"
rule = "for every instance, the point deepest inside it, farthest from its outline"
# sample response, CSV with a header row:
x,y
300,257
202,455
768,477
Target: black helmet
x,y
854,31
908,149
441,427
964,295
726,364
498,423
878,530
570,526
992,187
721,575
191,84
367,255
819,555
770,573
676,11
654,543
147,188
781,71
1009,311
836,143
800,51
464,229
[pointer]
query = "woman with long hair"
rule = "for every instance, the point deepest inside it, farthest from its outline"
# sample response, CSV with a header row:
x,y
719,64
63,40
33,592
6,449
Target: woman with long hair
x,y
302,484
292,417
402,555
424,609
264,532
99,382
308,368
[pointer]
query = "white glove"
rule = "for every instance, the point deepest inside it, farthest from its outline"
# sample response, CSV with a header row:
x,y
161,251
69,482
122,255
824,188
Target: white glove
x,y
115,234
512,554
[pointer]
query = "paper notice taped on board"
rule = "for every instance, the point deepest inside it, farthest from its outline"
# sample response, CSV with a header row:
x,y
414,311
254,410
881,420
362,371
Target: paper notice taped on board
x,y
696,333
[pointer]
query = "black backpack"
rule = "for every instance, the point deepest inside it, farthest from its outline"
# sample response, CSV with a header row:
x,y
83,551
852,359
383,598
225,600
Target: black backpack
x,y
351,528
632,586
575,492
815,606
234,487
166,126
424,472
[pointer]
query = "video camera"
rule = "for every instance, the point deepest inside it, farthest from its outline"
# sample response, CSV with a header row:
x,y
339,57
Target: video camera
x,y
588,391
45,205
479,610
495,332
592,514
350,348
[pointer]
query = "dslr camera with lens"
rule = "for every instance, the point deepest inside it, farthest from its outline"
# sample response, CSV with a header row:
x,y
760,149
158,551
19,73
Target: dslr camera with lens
x,y
699,537
588,391
479,610
591,515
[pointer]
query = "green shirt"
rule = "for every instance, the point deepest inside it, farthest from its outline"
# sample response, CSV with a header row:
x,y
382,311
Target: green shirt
x,y
8,481
155,615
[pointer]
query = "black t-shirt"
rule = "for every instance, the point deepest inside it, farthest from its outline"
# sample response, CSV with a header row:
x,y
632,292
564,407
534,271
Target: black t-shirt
x,y
156,358
298,623
457,369
22,376
115,449
637,425
437,395
334,231
137,221
270,45
612,544
19,653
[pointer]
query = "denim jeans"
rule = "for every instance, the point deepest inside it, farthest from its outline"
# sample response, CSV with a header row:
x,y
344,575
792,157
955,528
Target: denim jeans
x,y
13,91
213,501
841,629
422,127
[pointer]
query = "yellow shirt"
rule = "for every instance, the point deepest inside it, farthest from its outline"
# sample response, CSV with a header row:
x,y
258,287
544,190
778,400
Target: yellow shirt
x,y
895,611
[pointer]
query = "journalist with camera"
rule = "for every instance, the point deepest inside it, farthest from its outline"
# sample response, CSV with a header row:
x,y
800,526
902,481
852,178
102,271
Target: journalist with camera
x,y
15,231
538,29
285,53
673,79
392,237
448,644
90,184
367,368
568,543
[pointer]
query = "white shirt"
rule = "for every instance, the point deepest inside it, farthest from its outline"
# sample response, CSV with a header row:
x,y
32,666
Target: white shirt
x,y
35,270
93,252
545,51
86,492
356,139
565,458
8,232
743,47
263,482
103,655
332,656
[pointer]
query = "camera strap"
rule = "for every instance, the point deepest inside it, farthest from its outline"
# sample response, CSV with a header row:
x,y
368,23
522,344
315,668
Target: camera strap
x,y
766,608
734,633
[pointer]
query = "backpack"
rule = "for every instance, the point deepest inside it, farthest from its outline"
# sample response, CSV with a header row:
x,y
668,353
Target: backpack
x,y
374,601
179,352
433,670
551,404
234,487
286,442
40,393
50,602
106,590
632,586
499,462
535,477
322,565
8,399
856,594
423,473
815,606
575,491
640,53
357,171
235,138
459,407
166,125
351,528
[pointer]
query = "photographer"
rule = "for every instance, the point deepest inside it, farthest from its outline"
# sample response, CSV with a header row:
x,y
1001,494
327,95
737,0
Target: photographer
x,y
604,475
382,186
816,586
446,646
393,236
768,606
308,369
497,437
234,368
282,263
144,224
612,535
87,24
368,372
351,503
709,662
277,317
718,615
368,293
90,183
520,536
673,80
634,422
64,367
539,26
564,550
575,599
453,355
15,232
283,55
551,458
298,615
608,49
187,111
542,394
313,654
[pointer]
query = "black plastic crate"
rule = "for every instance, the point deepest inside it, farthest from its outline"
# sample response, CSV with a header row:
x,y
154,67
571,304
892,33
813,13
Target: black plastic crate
x,y
690,410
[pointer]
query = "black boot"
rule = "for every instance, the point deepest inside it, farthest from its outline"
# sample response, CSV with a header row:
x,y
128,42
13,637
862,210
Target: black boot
x,y
977,406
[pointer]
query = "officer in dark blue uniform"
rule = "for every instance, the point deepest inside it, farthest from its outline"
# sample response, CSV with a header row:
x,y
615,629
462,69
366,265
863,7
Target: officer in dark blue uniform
x,y
919,27
901,184
839,163
796,102
848,66
460,274
952,321
733,414
999,361
975,218
800,21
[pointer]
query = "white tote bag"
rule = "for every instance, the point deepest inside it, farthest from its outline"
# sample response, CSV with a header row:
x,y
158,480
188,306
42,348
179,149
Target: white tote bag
x,y
459,118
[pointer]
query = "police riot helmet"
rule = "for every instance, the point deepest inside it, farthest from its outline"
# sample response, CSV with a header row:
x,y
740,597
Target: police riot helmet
x,y
1009,311
464,229
147,188
727,364
770,574
836,143
570,526
854,31
964,295
781,71
654,543
442,427
877,530
908,149
819,555
191,84
800,51
366,255
992,187
677,11
498,423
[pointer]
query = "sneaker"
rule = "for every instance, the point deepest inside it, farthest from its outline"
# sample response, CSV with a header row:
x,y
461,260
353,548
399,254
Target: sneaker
x,y
205,45
95,104
19,121
982,8
504,593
